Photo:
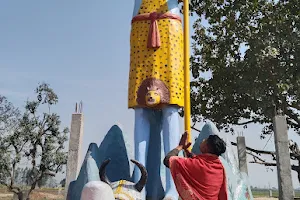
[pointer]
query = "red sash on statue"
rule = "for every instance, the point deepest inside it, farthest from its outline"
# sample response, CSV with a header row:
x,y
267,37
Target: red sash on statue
x,y
154,36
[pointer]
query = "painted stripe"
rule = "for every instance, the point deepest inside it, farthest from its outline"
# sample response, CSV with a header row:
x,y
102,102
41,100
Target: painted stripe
x,y
173,7
119,188
137,5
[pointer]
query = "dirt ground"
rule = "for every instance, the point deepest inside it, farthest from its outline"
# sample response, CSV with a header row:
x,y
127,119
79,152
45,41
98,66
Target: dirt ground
x,y
49,196
35,196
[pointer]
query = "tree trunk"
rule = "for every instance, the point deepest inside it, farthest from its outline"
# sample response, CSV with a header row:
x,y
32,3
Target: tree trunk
x,y
22,195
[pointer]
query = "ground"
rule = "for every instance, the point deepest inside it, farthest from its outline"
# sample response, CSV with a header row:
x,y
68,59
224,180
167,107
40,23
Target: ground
x,y
265,198
40,194
57,194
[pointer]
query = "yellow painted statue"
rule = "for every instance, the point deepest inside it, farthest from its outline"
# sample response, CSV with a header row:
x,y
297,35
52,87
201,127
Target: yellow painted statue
x,y
156,84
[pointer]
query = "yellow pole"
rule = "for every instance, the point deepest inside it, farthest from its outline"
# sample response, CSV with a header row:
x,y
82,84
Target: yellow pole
x,y
187,101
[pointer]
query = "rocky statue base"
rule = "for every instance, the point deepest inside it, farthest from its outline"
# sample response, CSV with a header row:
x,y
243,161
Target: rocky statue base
x,y
117,182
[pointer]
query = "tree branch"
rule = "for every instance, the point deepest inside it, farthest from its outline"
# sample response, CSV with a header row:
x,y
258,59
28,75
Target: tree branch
x,y
255,157
294,117
293,167
294,156
3,183
195,129
50,173
37,178
256,151
22,146
264,163
296,168
295,106
245,123
10,188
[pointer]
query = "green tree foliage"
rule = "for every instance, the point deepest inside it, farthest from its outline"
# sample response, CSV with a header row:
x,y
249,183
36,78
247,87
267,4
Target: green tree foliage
x,y
8,115
251,49
36,138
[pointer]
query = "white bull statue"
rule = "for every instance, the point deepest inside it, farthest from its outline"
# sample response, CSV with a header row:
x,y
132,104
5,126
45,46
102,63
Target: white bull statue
x,y
123,189
120,190
97,190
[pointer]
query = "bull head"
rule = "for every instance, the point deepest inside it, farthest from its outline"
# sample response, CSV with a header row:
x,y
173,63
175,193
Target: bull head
x,y
138,186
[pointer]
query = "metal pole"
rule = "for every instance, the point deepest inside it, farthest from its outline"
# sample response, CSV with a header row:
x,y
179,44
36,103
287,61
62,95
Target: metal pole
x,y
187,101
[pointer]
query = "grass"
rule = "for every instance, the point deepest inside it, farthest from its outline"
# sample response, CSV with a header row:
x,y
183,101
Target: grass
x,y
265,193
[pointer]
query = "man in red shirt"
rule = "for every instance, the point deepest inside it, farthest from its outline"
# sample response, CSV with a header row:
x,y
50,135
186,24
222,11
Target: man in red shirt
x,y
200,177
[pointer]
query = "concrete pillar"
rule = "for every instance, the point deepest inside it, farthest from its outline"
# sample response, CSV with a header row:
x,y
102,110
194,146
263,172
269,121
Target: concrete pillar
x,y
76,135
285,184
242,154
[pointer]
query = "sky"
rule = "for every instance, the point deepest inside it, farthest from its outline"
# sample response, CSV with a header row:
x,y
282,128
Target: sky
x,y
81,48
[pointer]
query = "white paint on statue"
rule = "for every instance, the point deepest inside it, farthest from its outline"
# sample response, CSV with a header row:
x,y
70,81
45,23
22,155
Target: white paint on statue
x,y
97,190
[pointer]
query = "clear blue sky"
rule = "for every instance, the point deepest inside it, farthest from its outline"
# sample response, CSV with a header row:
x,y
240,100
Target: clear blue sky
x,y
81,48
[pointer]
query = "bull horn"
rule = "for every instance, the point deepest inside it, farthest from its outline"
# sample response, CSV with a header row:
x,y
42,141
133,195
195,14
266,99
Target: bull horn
x,y
142,182
102,173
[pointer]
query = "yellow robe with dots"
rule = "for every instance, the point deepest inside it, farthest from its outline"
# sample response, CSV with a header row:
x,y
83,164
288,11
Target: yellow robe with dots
x,y
164,63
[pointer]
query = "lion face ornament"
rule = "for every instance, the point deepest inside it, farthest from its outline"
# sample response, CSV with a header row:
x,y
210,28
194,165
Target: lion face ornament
x,y
152,97
153,94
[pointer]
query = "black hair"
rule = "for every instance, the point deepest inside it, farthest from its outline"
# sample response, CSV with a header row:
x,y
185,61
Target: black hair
x,y
216,145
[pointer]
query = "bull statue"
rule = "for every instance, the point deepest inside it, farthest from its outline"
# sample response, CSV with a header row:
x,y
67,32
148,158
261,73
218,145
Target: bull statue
x,y
97,190
123,189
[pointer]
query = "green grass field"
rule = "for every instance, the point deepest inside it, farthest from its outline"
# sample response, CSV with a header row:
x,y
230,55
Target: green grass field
x,y
265,193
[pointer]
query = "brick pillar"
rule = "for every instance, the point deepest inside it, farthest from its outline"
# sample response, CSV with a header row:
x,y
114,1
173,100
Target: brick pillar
x,y
242,154
73,164
285,184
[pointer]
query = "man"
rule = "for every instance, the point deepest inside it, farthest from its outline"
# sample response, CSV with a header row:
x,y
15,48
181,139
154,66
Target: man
x,y
200,177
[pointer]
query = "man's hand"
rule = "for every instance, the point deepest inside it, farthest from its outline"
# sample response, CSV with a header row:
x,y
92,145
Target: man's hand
x,y
188,153
183,142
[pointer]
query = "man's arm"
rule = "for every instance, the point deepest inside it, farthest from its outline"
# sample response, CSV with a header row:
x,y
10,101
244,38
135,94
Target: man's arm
x,y
182,145
174,152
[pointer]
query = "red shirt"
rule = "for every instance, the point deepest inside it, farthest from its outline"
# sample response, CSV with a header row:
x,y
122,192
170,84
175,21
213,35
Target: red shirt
x,y
199,178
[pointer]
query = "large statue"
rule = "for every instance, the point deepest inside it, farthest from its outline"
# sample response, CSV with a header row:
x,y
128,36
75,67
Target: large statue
x,y
156,84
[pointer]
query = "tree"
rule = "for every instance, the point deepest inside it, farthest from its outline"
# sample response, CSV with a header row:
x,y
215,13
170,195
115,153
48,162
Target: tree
x,y
250,48
44,181
246,86
20,176
63,182
37,138
8,115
